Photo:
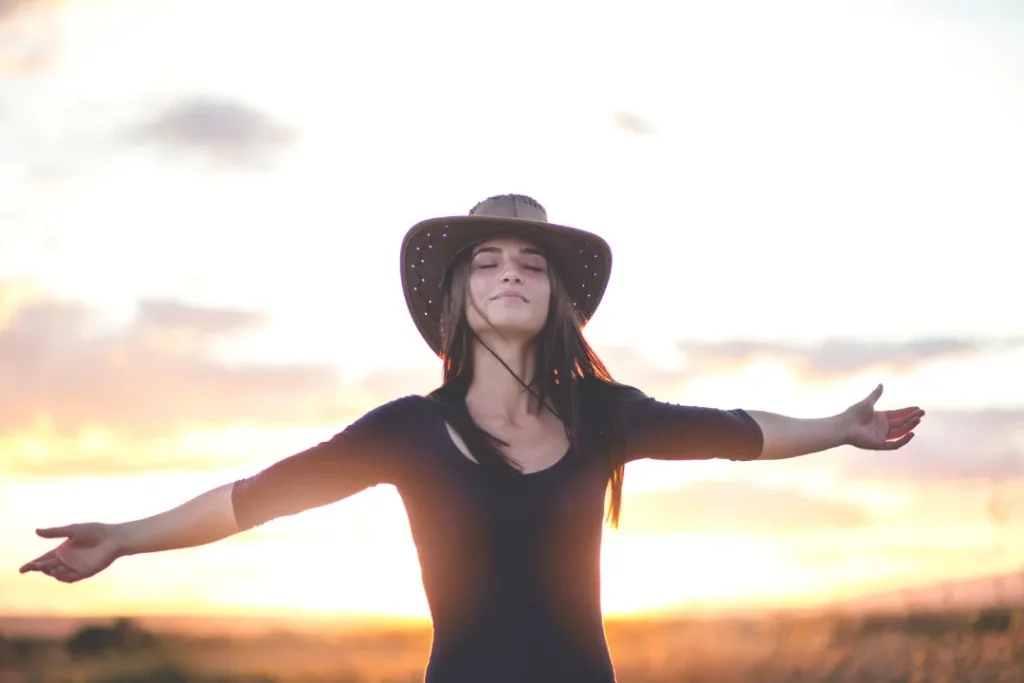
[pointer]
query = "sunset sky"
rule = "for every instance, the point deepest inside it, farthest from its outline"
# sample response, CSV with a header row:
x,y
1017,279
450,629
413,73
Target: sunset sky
x,y
201,207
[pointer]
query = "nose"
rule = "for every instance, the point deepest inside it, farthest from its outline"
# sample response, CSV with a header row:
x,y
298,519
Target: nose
x,y
511,273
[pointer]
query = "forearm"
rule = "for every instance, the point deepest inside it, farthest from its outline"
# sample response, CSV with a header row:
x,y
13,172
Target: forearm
x,y
789,437
206,518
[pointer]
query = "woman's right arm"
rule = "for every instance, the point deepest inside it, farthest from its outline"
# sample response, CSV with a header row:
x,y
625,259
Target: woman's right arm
x,y
365,454
88,549
206,518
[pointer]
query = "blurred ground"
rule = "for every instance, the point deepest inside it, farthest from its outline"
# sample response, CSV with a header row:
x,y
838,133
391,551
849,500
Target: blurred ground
x,y
980,645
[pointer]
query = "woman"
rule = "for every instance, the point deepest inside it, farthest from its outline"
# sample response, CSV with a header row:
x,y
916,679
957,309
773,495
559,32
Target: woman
x,y
503,470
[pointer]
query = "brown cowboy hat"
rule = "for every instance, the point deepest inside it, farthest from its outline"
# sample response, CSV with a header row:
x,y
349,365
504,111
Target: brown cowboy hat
x,y
583,260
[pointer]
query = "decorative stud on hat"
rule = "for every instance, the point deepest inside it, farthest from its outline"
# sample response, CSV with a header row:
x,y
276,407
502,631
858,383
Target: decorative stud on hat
x,y
583,260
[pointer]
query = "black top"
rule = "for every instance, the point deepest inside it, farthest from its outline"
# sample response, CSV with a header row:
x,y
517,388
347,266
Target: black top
x,y
510,566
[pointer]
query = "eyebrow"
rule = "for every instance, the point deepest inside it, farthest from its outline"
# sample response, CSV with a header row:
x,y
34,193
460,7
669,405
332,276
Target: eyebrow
x,y
527,251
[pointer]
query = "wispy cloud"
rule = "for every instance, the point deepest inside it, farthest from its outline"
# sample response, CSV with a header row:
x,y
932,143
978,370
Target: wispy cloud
x,y
13,8
29,38
159,374
156,375
225,130
736,507
122,459
957,446
630,122
839,358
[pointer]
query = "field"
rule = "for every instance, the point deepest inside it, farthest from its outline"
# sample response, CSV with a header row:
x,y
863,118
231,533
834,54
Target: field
x,y
933,647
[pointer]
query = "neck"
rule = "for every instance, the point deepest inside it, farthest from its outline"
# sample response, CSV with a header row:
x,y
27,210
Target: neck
x,y
494,392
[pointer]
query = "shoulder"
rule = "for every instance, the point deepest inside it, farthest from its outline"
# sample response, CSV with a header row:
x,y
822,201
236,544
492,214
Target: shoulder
x,y
385,435
396,409
606,405
603,394
400,415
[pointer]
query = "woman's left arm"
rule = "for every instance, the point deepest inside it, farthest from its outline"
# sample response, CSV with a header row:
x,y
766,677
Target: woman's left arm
x,y
860,425
664,431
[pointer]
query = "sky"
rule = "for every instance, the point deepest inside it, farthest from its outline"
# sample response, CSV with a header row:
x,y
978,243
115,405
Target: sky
x,y
201,207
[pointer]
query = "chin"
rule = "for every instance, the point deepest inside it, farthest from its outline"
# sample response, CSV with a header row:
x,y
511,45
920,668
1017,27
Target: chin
x,y
509,327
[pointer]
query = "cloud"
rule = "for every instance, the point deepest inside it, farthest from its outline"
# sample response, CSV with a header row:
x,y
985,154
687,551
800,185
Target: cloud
x,y
152,377
954,446
632,123
174,316
227,131
29,37
992,14
121,461
735,507
388,382
148,380
837,358
952,449
142,383
10,8
629,366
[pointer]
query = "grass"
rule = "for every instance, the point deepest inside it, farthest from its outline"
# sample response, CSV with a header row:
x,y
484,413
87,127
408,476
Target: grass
x,y
934,647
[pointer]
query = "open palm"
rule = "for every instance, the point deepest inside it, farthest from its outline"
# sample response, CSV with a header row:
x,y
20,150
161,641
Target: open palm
x,y
880,430
87,550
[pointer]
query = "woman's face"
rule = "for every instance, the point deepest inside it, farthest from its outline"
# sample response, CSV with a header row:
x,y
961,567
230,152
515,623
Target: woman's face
x,y
509,290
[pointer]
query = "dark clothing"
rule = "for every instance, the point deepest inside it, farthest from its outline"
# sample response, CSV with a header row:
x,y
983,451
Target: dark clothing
x,y
510,566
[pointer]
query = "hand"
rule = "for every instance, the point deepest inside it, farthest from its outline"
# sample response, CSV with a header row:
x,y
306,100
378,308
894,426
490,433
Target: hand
x,y
88,550
875,430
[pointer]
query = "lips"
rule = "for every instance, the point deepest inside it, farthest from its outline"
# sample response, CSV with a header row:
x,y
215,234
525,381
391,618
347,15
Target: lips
x,y
509,295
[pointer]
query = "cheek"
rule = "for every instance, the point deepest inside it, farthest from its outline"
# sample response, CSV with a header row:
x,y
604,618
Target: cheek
x,y
544,300
476,293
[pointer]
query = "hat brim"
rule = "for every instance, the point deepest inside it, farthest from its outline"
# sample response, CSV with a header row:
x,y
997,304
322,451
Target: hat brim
x,y
582,259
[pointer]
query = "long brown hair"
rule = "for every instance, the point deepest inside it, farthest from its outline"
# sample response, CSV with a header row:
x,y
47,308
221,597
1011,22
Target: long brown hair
x,y
564,363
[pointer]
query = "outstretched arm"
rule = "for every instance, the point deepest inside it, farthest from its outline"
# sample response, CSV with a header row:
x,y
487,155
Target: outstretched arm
x,y
859,425
363,455
206,518
665,431
88,549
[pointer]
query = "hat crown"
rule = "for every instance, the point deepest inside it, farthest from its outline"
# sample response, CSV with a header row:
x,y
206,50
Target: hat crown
x,y
511,206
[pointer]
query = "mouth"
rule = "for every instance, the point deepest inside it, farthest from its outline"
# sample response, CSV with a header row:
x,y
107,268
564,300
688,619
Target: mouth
x,y
509,296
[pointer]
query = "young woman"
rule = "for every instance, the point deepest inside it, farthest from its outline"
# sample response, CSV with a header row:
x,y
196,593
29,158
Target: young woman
x,y
504,469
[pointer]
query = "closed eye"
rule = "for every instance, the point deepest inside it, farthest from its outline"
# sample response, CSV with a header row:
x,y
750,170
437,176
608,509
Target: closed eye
x,y
526,266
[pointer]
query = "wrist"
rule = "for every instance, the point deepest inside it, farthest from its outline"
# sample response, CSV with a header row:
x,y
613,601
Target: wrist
x,y
121,536
843,428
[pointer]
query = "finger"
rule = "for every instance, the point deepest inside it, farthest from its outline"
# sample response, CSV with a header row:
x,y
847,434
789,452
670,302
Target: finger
x,y
899,432
57,531
873,397
65,574
903,412
898,443
901,423
896,424
34,564
50,568
51,564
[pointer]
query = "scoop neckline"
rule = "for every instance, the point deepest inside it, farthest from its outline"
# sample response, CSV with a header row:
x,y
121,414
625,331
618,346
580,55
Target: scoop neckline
x,y
454,449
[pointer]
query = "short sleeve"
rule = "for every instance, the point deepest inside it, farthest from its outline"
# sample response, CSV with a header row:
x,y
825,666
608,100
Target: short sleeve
x,y
368,452
666,431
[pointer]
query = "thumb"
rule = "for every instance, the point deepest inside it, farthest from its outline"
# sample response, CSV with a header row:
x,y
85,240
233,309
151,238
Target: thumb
x,y
873,397
57,531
